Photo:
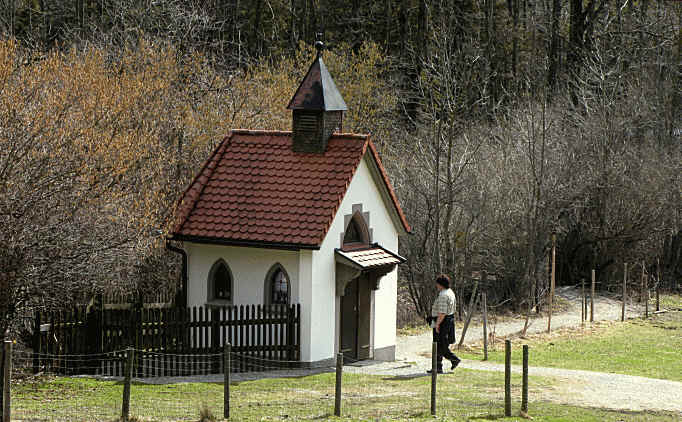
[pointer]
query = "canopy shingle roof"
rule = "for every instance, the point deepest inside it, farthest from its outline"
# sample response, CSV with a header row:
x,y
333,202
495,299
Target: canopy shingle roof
x,y
255,190
371,257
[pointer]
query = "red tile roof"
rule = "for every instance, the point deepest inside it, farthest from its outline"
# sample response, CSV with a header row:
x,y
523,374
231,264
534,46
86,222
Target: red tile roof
x,y
255,190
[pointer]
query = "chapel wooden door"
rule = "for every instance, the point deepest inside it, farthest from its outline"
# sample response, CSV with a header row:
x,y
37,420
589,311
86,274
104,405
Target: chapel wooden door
x,y
356,311
349,320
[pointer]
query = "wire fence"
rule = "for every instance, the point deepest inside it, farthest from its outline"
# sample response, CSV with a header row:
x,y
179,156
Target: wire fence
x,y
271,389
191,389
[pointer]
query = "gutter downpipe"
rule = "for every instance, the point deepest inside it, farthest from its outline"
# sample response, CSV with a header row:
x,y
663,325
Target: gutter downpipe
x,y
182,302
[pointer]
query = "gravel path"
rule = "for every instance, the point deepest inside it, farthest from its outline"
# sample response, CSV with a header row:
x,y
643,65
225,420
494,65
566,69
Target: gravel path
x,y
604,309
575,387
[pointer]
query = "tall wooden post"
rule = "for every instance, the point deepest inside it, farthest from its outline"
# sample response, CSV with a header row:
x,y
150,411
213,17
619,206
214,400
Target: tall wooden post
x,y
646,296
485,326
594,280
93,324
434,375
552,283
36,342
641,287
625,284
6,381
524,389
470,312
339,378
658,284
585,305
582,301
226,388
507,378
125,407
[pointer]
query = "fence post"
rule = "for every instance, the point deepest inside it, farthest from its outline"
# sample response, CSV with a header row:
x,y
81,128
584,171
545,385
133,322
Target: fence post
x,y
93,331
646,296
36,342
552,283
434,374
585,304
125,408
641,285
592,296
339,377
507,378
658,284
226,389
290,333
625,283
582,301
524,390
6,381
470,312
485,326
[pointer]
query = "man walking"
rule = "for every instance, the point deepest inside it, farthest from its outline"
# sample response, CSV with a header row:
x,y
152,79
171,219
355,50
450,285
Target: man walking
x,y
443,322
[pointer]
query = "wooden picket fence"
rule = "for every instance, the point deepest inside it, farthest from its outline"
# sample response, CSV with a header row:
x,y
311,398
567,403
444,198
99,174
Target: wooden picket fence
x,y
168,342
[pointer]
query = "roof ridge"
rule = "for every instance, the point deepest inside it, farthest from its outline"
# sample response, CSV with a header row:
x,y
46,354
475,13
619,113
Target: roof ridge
x,y
389,186
260,132
363,136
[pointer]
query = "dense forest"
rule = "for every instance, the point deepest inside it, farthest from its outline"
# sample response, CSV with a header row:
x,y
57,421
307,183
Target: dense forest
x,y
500,123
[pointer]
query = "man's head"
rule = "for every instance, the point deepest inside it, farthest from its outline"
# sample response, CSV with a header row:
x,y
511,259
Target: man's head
x,y
442,282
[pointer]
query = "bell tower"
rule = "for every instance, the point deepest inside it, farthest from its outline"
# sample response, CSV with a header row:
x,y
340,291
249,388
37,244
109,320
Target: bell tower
x,y
317,108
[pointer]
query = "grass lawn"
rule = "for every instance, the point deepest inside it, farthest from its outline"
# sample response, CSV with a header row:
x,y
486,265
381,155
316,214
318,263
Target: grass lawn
x,y
650,348
467,396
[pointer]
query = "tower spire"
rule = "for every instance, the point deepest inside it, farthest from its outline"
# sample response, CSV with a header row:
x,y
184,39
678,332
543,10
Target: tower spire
x,y
317,107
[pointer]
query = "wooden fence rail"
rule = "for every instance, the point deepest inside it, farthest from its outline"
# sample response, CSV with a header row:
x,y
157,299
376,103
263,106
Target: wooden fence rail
x,y
168,342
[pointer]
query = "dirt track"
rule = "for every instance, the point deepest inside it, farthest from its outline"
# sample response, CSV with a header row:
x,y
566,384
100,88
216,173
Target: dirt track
x,y
604,309
575,387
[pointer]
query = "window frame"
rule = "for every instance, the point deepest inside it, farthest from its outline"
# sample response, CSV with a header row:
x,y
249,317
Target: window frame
x,y
211,285
358,221
269,285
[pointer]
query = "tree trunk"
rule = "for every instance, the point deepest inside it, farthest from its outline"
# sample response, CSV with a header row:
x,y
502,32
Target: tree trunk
x,y
554,52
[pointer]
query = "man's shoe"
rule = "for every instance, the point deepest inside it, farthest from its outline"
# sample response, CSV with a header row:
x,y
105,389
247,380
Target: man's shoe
x,y
454,363
438,371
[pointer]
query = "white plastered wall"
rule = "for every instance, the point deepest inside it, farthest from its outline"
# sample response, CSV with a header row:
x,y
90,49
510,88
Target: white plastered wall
x,y
363,190
249,268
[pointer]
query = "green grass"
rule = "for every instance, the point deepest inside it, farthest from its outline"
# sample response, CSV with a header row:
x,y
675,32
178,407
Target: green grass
x,y
649,348
467,396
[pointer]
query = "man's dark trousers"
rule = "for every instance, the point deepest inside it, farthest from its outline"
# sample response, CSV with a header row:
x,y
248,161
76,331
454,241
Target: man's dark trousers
x,y
444,339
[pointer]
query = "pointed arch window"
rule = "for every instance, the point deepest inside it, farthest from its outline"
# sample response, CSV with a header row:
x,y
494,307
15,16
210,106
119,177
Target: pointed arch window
x,y
352,234
356,234
220,283
277,286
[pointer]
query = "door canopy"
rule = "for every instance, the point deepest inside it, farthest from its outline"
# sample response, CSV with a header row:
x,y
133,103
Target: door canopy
x,y
374,260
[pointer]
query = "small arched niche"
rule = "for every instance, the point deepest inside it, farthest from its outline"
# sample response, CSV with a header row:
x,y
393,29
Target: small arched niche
x,y
220,284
